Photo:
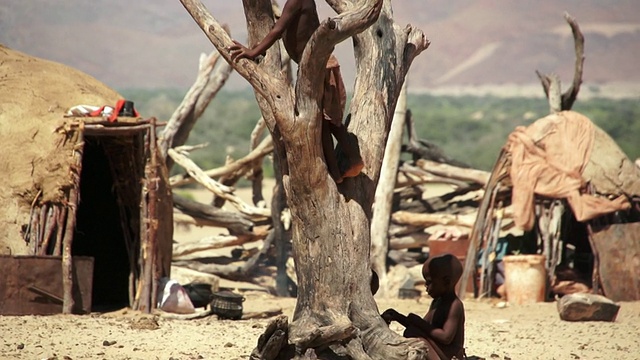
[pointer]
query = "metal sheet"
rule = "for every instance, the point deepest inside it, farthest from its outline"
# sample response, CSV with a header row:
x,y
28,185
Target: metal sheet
x,y
618,247
32,285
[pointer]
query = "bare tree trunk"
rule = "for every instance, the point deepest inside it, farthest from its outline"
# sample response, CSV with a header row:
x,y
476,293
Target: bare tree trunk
x,y
335,312
384,193
207,84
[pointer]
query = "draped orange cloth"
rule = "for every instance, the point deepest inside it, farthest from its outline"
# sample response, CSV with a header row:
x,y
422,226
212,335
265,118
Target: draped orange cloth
x,y
548,158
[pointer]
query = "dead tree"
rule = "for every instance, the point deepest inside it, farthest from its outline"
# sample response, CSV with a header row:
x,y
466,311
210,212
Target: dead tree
x,y
336,313
551,83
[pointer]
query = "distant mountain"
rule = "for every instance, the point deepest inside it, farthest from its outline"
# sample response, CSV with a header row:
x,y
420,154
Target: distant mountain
x,y
155,43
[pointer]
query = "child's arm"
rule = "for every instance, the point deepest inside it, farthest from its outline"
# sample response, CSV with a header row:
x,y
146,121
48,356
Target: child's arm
x,y
446,334
239,51
390,315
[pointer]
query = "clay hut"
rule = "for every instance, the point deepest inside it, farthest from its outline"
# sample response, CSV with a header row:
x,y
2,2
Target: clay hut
x,y
576,195
86,213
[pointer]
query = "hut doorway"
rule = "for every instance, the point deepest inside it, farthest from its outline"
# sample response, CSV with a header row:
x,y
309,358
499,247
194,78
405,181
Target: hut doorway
x,y
106,219
576,260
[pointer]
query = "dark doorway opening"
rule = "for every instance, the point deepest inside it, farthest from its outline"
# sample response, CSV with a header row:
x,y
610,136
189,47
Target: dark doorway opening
x,y
577,258
99,230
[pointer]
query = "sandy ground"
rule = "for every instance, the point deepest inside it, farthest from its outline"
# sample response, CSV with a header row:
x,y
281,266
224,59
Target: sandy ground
x,y
515,332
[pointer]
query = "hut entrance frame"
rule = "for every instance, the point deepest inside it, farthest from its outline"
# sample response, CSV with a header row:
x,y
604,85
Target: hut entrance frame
x,y
119,209
108,217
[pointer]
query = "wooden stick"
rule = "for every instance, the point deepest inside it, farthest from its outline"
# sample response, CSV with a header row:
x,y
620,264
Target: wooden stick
x,y
60,221
407,218
74,196
233,221
256,173
153,210
50,225
251,263
265,148
230,271
416,240
142,288
217,188
595,275
384,192
475,239
115,131
33,230
42,223
555,94
210,243
454,172
410,175
485,240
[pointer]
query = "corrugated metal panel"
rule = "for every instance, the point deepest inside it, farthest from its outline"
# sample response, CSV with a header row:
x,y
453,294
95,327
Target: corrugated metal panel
x,y
618,247
32,285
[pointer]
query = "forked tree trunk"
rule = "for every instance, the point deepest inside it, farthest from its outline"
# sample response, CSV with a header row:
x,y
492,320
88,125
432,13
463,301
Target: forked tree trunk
x,y
335,311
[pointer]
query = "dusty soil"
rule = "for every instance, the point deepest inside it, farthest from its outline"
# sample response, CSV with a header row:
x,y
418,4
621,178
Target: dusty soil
x,y
492,332
515,332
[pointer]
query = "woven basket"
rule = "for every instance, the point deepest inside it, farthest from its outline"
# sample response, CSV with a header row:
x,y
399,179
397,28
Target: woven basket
x,y
227,305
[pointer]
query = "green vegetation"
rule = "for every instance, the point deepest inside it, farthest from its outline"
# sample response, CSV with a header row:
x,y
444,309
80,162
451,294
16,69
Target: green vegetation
x,y
469,129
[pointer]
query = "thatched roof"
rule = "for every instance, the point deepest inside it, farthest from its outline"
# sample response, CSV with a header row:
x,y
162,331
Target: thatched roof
x,y
35,95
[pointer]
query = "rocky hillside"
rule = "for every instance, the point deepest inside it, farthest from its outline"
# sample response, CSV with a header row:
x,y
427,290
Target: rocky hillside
x,y
155,43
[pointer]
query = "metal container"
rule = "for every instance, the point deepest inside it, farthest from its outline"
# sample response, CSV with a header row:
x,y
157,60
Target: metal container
x,y
227,305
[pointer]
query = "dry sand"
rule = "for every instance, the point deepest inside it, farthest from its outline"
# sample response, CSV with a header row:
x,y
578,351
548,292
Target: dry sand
x,y
516,332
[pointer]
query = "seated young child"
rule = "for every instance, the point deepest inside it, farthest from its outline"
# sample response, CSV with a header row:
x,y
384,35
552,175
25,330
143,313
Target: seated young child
x,y
442,328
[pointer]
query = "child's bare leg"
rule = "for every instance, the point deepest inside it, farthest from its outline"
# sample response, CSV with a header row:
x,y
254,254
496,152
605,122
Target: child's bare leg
x,y
353,156
329,153
435,352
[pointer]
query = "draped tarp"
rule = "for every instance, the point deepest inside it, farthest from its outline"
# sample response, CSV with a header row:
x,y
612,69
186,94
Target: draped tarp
x,y
548,158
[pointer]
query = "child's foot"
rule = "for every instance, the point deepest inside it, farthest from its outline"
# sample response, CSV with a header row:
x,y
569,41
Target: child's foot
x,y
354,169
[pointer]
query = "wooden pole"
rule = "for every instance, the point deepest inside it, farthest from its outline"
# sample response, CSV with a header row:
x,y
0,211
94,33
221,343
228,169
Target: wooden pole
x,y
154,275
60,221
384,192
50,226
475,240
74,196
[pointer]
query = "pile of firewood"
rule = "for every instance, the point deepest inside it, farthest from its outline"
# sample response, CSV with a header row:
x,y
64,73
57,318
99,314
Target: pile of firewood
x,y
415,220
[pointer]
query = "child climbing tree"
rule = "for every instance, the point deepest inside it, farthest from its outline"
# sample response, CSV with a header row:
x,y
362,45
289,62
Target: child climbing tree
x,y
335,313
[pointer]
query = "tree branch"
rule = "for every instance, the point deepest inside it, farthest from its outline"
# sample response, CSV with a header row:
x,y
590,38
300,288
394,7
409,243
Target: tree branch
x,y
569,97
547,81
265,148
217,188
261,81
314,58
